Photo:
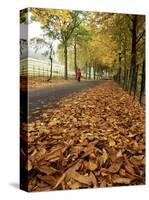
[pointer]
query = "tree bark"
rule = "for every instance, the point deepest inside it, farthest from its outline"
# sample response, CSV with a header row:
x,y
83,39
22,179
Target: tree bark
x,y
66,67
86,70
133,53
94,73
51,61
135,80
142,82
75,56
89,71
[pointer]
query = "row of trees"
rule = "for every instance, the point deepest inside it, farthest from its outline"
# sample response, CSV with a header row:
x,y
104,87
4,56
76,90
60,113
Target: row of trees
x,y
101,42
131,58
81,42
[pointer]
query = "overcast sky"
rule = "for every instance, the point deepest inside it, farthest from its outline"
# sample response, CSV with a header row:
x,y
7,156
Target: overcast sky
x,y
33,30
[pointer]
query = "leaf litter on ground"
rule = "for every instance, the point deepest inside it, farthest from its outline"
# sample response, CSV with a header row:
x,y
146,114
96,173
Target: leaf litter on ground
x,y
94,138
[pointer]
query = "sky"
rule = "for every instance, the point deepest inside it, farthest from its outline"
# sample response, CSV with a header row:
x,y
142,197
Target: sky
x,y
33,30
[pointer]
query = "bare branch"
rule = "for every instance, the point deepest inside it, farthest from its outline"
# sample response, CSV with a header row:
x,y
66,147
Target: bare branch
x,y
140,36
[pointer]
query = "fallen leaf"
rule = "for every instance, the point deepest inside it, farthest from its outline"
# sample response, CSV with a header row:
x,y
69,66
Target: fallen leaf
x,y
91,165
75,185
81,178
102,159
46,169
111,143
29,165
122,180
129,167
115,167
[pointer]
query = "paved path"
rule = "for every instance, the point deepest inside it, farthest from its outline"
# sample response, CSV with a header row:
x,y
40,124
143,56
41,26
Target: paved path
x,y
44,98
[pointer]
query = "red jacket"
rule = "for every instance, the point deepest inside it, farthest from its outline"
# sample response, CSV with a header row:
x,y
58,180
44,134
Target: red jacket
x,y
78,73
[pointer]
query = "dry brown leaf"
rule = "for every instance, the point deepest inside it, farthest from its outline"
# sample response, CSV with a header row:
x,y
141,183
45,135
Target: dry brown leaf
x,y
89,149
91,165
75,185
137,160
129,167
29,165
115,167
59,181
122,180
54,155
46,169
81,178
67,174
119,154
103,183
111,143
102,159
47,179
94,180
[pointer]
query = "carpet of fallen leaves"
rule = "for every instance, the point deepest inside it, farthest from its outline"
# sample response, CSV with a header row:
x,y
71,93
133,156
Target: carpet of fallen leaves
x,y
33,83
94,138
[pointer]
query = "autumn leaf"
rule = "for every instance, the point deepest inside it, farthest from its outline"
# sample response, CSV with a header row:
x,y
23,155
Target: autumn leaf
x,y
82,178
46,169
91,165
121,180
111,143
115,167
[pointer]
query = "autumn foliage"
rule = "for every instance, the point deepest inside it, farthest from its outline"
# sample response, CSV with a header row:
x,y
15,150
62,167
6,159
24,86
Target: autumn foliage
x,y
94,138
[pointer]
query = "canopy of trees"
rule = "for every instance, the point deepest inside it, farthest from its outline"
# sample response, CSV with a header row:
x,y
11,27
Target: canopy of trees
x,y
102,42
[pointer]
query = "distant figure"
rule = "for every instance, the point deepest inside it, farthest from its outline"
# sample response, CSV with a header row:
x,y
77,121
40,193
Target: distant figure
x,y
78,74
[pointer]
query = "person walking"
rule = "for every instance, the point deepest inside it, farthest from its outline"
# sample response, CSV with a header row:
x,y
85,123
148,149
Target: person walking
x,y
78,74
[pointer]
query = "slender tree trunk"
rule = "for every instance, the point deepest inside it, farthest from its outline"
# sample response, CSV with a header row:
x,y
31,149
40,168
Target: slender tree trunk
x,y
97,72
86,70
51,61
135,80
125,69
119,75
133,54
94,73
66,67
99,75
51,68
142,82
126,79
75,56
89,71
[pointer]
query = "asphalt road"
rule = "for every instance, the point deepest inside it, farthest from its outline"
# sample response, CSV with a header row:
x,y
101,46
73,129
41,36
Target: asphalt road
x,y
43,98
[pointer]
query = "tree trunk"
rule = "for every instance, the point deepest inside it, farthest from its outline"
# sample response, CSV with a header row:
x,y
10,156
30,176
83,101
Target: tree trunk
x,y
94,73
133,54
125,69
135,80
66,67
119,75
75,57
142,82
126,79
86,70
51,62
89,71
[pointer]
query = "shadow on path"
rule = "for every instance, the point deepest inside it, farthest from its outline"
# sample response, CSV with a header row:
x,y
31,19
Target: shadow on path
x,y
44,98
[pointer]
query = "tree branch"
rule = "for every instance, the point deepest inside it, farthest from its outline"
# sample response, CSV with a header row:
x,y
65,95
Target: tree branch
x,y
140,36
